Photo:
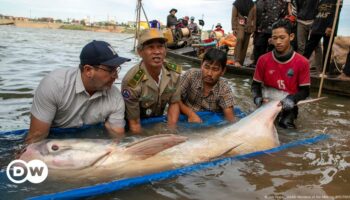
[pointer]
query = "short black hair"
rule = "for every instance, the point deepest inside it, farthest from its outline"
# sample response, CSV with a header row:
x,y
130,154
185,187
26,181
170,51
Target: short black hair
x,y
217,55
283,23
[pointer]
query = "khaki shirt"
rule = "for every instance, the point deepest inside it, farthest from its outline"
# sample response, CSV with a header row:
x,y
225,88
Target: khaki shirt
x,y
142,96
62,101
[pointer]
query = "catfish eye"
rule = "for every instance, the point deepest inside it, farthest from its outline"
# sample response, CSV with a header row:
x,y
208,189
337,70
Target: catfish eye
x,y
54,147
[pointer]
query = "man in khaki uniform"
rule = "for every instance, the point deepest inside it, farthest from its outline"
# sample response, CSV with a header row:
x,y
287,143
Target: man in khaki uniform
x,y
151,85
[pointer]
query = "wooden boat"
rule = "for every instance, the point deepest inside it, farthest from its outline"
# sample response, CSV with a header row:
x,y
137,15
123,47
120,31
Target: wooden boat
x,y
331,84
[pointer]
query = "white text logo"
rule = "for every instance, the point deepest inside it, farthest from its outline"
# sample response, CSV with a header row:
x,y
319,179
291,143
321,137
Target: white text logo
x,y
35,171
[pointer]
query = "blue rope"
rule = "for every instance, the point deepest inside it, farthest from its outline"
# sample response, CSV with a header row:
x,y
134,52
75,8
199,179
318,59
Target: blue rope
x,y
132,182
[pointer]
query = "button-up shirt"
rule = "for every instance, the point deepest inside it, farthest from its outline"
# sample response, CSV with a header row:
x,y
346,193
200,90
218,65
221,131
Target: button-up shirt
x,y
62,101
218,99
145,98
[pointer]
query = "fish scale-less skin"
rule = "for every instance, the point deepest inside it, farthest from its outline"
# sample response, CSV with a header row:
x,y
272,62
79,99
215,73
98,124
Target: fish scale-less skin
x,y
255,132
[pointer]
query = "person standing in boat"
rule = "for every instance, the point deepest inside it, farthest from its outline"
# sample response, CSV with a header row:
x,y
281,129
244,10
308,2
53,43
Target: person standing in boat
x,y
171,19
243,25
218,28
151,85
193,26
268,12
285,70
204,89
73,97
185,21
322,28
306,12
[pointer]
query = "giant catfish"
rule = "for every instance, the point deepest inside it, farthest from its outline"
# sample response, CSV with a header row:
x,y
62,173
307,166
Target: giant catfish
x,y
103,160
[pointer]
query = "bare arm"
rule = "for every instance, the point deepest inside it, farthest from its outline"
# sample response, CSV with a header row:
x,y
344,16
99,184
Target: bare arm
x,y
173,114
115,131
192,116
229,115
290,9
135,126
38,130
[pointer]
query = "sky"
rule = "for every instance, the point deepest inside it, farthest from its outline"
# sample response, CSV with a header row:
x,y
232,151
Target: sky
x,y
212,11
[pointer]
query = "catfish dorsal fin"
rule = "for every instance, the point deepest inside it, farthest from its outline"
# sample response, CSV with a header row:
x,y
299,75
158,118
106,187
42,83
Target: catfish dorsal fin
x,y
152,145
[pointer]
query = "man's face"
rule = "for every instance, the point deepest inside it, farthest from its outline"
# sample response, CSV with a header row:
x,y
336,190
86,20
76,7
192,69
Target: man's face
x,y
153,54
173,12
211,72
103,77
281,39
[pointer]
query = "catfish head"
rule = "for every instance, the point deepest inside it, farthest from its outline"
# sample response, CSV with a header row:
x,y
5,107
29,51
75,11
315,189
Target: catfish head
x,y
73,154
69,153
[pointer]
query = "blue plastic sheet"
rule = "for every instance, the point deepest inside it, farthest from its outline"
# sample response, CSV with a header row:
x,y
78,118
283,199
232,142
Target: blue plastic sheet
x,y
209,118
106,188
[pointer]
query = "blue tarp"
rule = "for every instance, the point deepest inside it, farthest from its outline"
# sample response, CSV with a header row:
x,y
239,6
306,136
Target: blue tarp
x,y
209,118
132,182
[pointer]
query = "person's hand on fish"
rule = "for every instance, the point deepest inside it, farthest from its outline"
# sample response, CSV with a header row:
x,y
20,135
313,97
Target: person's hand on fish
x,y
287,103
258,101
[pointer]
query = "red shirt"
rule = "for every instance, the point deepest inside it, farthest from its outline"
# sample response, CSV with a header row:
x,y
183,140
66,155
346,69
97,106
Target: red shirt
x,y
221,30
286,76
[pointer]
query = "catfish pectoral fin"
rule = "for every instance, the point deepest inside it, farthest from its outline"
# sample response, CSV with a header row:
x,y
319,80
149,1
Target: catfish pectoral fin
x,y
152,145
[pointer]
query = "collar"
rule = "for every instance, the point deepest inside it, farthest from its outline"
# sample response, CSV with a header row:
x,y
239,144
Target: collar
x,y
283,58
79,86
163,72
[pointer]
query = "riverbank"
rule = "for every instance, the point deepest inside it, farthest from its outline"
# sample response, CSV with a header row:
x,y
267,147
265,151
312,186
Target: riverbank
x,y
31,24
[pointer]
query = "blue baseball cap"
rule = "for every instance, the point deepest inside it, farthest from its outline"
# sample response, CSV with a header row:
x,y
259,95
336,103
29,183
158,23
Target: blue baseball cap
x,y
100,53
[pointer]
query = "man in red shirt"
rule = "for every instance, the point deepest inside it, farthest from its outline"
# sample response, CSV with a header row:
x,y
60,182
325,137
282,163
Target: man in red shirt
x,y
284,70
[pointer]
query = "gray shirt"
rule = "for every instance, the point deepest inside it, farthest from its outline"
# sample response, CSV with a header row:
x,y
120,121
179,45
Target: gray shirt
x,y
62,101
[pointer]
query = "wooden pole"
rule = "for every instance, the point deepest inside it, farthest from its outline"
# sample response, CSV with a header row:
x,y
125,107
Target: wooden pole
x,y
137,30
329,47
145,16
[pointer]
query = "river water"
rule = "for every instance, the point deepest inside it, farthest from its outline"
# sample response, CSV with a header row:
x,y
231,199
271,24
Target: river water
x,y
316,171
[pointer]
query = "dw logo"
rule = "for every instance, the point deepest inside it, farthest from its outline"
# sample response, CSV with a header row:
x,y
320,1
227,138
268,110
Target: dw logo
x,y
35,171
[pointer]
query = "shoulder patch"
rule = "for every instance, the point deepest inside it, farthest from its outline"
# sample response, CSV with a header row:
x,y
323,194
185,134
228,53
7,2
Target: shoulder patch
x,y
136,78
174,67
126,94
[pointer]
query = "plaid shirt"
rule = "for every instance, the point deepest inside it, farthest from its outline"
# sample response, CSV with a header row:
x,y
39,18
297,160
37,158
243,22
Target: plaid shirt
x,y
219,98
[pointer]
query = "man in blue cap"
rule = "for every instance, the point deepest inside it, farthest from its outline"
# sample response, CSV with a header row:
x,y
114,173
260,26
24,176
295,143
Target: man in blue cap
x,y
73,97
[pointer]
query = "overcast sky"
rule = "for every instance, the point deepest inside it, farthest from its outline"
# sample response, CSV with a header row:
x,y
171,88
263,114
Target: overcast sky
x,y
213,11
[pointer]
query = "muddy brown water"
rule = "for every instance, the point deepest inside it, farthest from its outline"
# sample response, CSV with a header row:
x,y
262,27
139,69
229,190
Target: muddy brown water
x,y
316,171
